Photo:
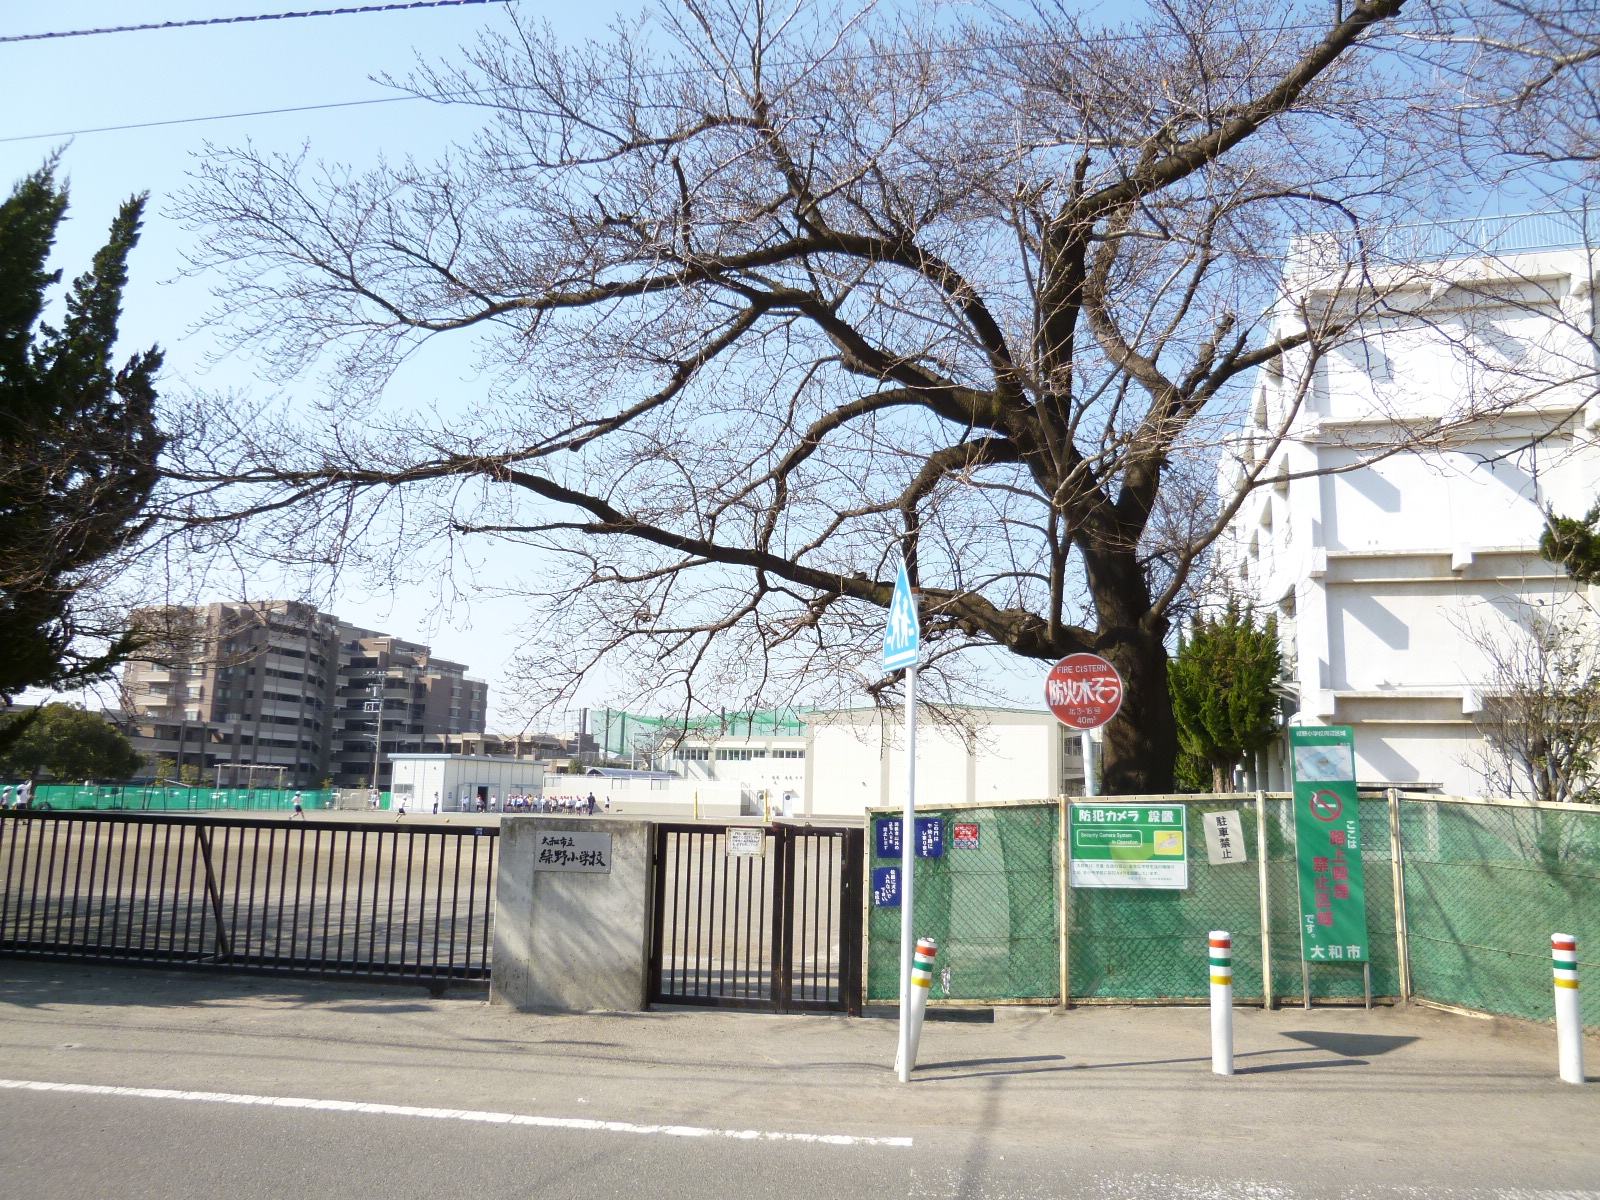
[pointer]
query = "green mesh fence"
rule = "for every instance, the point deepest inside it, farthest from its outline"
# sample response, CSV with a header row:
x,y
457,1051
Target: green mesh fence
x,y
1127,944
1485,887
992,908
171,799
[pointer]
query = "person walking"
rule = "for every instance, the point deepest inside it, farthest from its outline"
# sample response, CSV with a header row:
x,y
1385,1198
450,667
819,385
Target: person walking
x,y
436,804
400,809
298,810
591,804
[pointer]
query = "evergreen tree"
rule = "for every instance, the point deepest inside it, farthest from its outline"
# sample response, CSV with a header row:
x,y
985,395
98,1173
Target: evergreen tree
x,y
78,448
1573,543
1222,699
68,743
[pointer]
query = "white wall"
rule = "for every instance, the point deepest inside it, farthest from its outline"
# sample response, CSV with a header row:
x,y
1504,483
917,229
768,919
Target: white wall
x,y
859,759
1385,577
456,777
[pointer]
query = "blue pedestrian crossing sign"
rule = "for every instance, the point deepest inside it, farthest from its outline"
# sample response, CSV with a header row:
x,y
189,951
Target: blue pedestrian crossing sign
x,y
902,638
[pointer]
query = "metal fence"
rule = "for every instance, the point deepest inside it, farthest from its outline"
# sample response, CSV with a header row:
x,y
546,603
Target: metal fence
x,y
131,798
316,898
1481,886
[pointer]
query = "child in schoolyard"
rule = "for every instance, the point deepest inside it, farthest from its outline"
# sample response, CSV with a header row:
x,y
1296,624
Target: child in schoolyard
x,y
298,810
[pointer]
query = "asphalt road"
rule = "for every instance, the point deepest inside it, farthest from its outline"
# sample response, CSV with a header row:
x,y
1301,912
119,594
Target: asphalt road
x,y
1113,1104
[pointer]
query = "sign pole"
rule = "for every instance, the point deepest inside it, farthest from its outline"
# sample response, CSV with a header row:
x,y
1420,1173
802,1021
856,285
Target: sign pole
x,y
908,837
1089,788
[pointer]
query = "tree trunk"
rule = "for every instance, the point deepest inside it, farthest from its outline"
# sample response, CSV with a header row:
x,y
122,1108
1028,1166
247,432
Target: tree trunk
x,y
1141,741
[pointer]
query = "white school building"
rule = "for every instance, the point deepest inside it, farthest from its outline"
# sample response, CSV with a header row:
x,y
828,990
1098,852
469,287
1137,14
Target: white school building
x,y
1388,579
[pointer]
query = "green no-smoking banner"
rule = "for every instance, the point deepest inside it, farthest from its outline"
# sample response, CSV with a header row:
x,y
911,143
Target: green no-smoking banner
x,y
1327,831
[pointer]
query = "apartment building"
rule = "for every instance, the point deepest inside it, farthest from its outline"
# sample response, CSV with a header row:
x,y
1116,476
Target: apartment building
x,y
245,696
274,693
396,697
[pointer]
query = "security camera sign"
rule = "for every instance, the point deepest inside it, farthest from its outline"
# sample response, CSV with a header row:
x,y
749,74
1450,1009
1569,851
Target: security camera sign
x,y
1084,691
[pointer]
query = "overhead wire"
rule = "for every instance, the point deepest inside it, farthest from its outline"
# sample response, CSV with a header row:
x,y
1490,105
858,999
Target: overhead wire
x,y
246,19
268,112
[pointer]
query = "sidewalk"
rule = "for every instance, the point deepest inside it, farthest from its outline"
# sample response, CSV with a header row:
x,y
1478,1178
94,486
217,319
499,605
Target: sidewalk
x,y
1395,1098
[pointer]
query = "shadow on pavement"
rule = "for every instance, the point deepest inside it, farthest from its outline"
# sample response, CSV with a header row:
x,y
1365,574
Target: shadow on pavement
x,y
1351,1045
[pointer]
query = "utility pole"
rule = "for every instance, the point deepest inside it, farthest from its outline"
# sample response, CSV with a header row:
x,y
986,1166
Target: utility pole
x,y
377,738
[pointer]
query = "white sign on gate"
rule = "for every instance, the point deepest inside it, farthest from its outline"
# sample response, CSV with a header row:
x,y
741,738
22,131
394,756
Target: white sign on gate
x,y
584,853
747,842
1224,838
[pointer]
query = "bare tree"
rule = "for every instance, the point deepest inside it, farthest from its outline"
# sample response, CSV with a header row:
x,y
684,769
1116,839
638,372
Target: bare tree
x,y
1540,713
774,294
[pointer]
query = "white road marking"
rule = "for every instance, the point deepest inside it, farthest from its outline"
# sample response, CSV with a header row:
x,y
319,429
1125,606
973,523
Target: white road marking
x,y
450,1114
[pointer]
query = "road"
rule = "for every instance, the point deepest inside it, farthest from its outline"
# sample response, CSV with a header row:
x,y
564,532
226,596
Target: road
x,y
418,1094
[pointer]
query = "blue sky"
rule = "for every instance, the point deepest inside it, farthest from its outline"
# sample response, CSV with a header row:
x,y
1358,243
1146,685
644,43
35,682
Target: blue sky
x,y
84,83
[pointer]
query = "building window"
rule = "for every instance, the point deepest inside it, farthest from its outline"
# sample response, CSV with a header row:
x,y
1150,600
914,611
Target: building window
x,y
788,754
733,756
694,753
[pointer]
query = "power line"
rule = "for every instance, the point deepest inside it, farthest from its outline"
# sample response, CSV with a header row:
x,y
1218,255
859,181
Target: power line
x,y
268,112
283,16
260,112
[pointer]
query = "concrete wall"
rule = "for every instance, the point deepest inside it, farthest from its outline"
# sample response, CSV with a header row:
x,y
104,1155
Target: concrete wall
x,y
572,942
859,759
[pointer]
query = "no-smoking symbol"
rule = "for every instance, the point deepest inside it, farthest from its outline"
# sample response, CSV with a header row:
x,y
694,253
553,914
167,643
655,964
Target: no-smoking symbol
x,y
1326,806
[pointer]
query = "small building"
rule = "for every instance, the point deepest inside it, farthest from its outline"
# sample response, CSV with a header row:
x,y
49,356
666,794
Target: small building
x,y
459,781
965,754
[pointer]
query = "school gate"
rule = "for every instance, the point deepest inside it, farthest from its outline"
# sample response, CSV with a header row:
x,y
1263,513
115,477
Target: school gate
x,y
341,899
759,918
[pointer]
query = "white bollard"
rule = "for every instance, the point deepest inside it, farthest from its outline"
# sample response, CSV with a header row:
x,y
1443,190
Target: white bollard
x,y
1569,1021
921,981
1221,1002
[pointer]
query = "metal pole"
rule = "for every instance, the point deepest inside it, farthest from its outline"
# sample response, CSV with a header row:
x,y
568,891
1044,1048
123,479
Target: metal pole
x,y
1062,912
1402,932
1266,909
377,738
1089,788
908,849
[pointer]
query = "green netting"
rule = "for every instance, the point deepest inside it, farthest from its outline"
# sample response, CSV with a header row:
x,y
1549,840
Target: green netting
x,y
1485,887
170,799
1127,944
622,733
992,909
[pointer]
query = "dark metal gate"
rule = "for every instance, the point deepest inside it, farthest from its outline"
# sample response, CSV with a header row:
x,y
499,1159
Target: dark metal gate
x,y
332,898
772,921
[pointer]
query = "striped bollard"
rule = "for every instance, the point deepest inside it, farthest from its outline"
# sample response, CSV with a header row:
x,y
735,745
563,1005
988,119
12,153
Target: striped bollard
x,y
921,981
1221,1002
1569,1021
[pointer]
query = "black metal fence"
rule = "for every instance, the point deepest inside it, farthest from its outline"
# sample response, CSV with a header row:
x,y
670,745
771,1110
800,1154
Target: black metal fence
x,y
332,898
769,924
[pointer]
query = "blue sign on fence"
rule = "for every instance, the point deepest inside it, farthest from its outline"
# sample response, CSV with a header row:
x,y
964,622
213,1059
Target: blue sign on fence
x,y
930,837
886,887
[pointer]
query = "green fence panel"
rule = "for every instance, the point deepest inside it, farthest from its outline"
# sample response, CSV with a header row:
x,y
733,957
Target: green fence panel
x,y
1143,944
134,798
1485,887
992,908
